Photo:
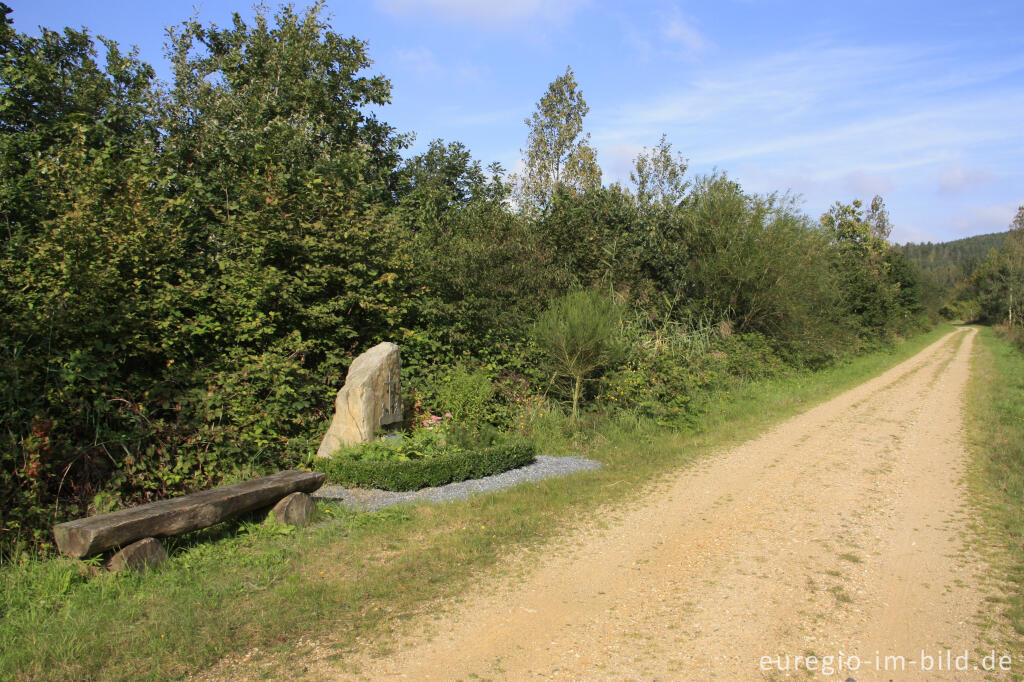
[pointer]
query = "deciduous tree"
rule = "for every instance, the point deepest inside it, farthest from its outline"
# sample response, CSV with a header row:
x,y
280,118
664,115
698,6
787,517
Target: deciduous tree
x,y
558,152
659,176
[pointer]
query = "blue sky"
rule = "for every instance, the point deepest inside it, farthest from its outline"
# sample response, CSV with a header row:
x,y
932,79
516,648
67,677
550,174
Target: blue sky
x,y
921,102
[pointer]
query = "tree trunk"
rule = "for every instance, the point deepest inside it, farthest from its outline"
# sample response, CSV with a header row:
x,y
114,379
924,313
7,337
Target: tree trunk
x,y
576,391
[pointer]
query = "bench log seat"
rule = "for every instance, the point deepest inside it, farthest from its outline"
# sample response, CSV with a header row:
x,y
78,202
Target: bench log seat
x,y
165,518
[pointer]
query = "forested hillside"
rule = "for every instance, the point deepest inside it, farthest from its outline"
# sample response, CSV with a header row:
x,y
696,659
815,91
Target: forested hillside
x,y
949,263
994,290
976,279
188,270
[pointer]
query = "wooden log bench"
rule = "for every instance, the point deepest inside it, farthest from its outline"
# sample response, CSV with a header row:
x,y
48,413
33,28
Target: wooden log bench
x,y
165,518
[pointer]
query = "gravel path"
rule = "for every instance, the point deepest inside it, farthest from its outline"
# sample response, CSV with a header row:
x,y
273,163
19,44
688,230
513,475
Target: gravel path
x,y
543,467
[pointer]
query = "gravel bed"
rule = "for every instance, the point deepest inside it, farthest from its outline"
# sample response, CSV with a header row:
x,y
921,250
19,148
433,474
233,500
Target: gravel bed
x,y
543,467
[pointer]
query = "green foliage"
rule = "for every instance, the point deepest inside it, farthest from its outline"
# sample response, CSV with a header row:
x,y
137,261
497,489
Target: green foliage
x,y
437,183
466,393
999,280
429,458
950,263
433,440
877,284
757,262
579,333
558,153
594,238
185,274
187,270
671,378
80,269
658,176
478,273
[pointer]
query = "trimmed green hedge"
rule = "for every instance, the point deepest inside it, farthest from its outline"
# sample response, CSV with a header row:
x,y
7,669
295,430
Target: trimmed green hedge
x,y
427,472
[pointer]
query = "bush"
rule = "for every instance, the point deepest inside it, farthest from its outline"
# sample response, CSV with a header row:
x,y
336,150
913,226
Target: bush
x,y
430,458
664,383
580,333
466,394
659,386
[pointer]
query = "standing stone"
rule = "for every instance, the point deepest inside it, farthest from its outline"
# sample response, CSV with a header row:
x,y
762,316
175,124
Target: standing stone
x,y
138,556
371,398
294,510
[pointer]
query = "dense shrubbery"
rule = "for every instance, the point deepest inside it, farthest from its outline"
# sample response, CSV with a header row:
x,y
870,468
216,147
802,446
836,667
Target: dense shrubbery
x,y
187,271
670,377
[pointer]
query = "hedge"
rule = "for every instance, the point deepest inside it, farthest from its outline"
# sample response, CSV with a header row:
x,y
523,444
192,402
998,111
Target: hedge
x,y
429,471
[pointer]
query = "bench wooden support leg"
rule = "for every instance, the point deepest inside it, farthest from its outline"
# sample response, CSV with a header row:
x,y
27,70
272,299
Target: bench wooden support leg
x,y
138,556
294,510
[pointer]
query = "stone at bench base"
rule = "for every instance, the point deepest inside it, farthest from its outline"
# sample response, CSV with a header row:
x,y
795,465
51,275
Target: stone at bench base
x,y
138,556
294,510
177,515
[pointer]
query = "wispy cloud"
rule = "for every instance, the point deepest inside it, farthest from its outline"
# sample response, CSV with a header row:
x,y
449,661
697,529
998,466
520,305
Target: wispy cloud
x,y
421,61
617,160
865,184
842,110
959,179
663,35
680,31
985,219
832,121
424,64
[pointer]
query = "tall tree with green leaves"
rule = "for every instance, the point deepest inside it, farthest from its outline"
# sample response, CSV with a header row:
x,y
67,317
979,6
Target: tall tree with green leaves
x,y
81,265
558,152
864,263
658,176
286,174
878,218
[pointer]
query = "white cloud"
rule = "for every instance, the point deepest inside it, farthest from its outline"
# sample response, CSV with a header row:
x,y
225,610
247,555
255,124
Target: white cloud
x,y
836,110
421,61
958,179
679,30
903,234
865,185
617,161
484,12
985,219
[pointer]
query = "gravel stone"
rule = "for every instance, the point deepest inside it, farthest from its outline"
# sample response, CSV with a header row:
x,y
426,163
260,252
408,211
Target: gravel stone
x,y
543,467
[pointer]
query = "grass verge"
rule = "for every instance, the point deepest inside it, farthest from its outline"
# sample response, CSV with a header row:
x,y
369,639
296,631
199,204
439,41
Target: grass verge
x,y
996,440
353,577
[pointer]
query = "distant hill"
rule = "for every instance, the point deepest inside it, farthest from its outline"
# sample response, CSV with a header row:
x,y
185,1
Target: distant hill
x,y
950,262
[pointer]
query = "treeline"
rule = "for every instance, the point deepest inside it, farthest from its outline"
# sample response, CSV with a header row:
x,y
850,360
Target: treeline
x,y
947,264
993,289
188,269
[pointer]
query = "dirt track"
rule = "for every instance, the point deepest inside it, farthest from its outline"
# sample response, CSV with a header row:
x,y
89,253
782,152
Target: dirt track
x,y
840,530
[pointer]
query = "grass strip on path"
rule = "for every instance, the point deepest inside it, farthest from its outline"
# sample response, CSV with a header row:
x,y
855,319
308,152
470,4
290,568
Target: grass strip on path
x,y
354,577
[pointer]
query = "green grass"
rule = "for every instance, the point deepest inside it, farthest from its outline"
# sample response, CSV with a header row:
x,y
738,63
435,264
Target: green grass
x,y
996,438
355,577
